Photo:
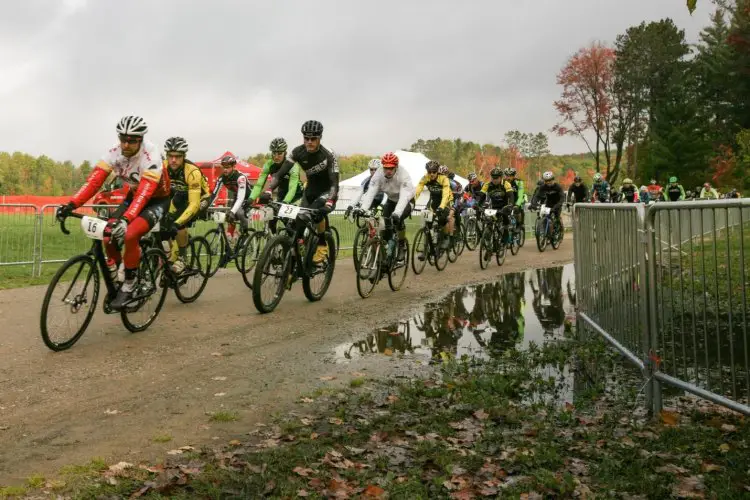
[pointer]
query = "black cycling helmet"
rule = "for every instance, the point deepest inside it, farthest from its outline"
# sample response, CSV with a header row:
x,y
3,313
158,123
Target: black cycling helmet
x,y
496,172
540,183
577,178
278,145
432,166
228,161
451,175
312,128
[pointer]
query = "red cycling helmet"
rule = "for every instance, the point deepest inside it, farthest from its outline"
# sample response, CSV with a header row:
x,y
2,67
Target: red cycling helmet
x,y
389,159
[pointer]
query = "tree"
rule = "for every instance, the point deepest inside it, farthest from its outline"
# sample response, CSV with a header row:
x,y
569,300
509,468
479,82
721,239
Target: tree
x,y
585,104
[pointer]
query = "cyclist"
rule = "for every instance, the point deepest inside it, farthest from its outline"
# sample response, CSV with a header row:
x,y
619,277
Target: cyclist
x,y
535,196
629,191
289,189
474,186
708,193
733,194
237,183
440,198
644,195
322,170
551,194
379,199
675,191
578,192
655,191
498,193
187,193
601,190
519,194
136,161
397,185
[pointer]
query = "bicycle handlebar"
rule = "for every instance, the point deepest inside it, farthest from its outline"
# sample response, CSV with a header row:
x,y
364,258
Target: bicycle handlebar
x,y
72,214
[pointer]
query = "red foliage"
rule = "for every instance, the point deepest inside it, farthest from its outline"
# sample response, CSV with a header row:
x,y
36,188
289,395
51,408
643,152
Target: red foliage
x,y
724,167
567,181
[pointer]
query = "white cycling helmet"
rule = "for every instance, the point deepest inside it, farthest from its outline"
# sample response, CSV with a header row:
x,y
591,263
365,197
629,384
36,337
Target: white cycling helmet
x,y
132,125
597,177
374,164
548,176
443,170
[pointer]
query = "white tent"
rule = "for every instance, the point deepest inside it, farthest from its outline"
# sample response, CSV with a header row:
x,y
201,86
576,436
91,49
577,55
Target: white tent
x,y
413,163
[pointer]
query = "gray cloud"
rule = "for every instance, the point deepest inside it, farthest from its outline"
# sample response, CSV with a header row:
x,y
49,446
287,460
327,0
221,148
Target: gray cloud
x,y
233,74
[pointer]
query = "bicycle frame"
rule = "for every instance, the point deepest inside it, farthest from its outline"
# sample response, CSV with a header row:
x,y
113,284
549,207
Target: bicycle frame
x,y
310,239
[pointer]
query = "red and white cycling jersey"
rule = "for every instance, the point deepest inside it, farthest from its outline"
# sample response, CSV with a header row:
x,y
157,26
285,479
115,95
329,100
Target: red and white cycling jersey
x,y
145,164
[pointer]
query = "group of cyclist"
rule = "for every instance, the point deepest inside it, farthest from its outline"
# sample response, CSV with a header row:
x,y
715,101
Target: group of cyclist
x,y
172,191
602,192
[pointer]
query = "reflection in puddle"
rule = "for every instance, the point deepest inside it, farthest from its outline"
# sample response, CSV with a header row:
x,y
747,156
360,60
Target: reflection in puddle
x,y
479,321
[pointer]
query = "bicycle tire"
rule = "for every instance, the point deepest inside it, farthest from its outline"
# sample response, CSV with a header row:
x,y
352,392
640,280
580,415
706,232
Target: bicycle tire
x,y
242,243
93,277
515,241
541,235
336,239
197,246
370,267
556,240
360,239
485,247
330,266
216,245
252,250
151,269
501,247
440,255
471,242
394,282
418,265
285,243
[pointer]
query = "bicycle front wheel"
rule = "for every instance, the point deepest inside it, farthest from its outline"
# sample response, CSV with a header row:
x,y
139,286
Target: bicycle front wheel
x,y
541,234
192,281
74,290
360,239
271,272
317,277
399,268
369,270
472,234
485,247
419,253
501,245
149,294
250,255
216,244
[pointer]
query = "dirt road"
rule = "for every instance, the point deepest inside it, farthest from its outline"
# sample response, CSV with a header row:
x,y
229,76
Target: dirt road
x,y
115,395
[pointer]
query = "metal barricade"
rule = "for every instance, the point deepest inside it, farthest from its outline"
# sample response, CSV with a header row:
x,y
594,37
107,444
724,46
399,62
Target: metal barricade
x,y
699,298
18,238
668,287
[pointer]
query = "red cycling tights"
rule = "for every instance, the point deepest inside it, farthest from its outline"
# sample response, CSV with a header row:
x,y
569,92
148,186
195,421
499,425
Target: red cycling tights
x,y
136,230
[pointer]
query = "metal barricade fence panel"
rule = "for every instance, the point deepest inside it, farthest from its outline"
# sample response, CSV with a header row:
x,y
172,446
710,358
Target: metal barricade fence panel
x,y
700,298
18,239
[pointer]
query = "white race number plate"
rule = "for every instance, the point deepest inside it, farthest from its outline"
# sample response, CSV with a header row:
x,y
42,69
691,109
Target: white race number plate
x,y
489,212
289,211
93,227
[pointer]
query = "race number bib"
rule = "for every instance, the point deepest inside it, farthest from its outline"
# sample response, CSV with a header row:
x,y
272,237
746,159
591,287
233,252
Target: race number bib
x,y
93,227
428,215
490,212
288,211
545,211
219,217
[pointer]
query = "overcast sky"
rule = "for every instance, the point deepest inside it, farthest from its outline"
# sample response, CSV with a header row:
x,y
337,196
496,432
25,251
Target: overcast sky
x,y
234,74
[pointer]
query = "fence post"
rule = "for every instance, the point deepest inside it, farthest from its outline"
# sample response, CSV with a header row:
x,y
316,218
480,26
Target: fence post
x,y
652,330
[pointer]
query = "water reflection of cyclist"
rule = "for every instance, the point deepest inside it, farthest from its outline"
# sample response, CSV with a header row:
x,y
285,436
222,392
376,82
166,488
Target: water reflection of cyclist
x,y
548,298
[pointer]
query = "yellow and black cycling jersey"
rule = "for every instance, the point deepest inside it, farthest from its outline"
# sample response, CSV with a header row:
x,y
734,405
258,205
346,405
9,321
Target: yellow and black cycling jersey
x,y
499,195
189,187
439,189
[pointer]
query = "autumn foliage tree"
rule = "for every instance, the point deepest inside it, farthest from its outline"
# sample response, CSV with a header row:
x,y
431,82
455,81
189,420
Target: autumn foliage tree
x,y
586,105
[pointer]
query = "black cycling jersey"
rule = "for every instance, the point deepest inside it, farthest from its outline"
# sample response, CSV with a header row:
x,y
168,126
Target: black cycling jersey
x,y
629,192
579,192
321,168
552,194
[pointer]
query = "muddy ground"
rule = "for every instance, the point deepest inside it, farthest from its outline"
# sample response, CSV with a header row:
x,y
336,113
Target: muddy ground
x,y
115,395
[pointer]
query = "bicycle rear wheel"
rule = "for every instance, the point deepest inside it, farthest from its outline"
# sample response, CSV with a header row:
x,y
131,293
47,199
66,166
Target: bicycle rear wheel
x,y
192,281
275,263
398,270
250,255
74,298
501,246
472,234
360,239
317,277
149,294
440,254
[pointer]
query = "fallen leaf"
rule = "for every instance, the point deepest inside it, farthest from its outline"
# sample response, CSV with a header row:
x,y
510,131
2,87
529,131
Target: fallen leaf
x,y
689,487
481,415
220,379
270,486
724,448
4,427
464,494
728,428
327,377
314,435
307,400
487,492
335,421
373,491
305,421
220,394
672,469
388,351
235,442
111,412
359,374
627,442
302,493
119,467
401,479
669,418
302,471
216,354
392,399
708,467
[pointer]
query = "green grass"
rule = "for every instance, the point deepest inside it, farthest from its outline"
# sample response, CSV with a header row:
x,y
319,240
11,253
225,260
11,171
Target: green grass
x,y
492,428
161,438
224,416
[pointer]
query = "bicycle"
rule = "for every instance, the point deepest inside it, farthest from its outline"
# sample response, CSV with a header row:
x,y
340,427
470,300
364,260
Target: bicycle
x,y
252,251
458,240
547,230
473,228
491,241
287,259
428,245
379,253
194,268
149,285
222,250
360,236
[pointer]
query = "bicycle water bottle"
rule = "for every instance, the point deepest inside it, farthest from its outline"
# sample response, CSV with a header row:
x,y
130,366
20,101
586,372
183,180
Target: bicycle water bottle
x,y
391,248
